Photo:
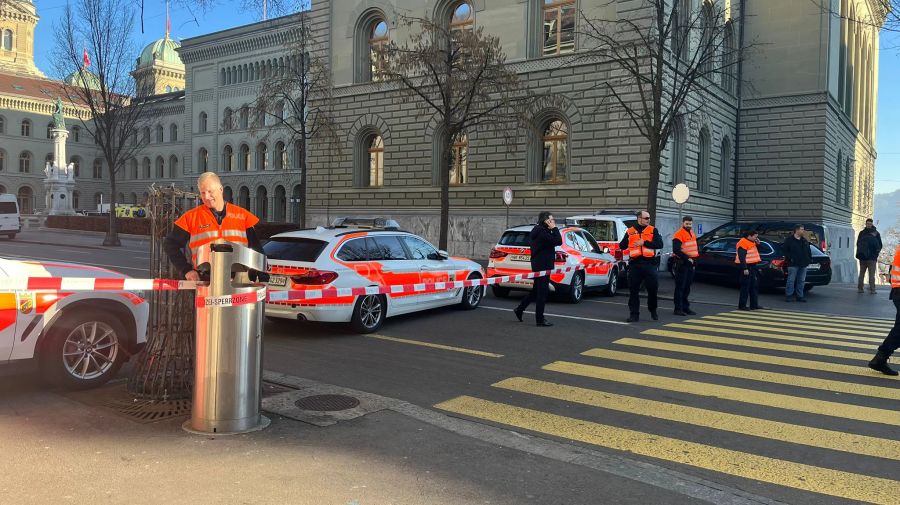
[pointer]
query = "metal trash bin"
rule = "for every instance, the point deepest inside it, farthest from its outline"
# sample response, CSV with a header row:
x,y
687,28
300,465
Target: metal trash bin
x,y
228,363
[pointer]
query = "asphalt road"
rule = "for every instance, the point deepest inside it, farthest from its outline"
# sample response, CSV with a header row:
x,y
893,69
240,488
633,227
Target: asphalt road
x,y
777,403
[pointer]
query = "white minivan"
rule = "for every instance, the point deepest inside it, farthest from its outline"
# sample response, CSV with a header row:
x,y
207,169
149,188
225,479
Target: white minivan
x,y
9,215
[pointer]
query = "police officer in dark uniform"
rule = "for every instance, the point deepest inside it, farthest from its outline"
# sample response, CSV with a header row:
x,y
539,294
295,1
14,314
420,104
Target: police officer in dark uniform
x,y
642,241
544,237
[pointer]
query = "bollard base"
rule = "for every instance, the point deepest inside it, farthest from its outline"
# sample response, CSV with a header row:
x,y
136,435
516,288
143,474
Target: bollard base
x,y
264,423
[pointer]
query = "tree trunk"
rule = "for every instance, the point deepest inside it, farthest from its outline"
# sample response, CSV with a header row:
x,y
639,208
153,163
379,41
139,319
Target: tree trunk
x,y
445,192
112,234
653,185
302,206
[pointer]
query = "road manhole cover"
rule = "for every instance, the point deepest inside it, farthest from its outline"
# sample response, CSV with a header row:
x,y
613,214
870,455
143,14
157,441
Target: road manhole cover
x,y
327,403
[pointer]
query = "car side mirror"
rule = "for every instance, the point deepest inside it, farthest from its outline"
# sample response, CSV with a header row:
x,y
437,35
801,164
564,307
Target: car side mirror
x,y
444,255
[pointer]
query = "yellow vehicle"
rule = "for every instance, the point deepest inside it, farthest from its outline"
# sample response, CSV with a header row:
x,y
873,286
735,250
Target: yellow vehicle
x,y
130,211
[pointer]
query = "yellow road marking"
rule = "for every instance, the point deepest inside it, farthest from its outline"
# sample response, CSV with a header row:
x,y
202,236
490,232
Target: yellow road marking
x,y
829,316
826,481
801,349
743,395
818,318
790,327
753,357
744,425
436,346
890,393
702,326
872,328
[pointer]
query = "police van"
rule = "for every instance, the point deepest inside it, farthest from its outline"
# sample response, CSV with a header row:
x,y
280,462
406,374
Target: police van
x,y
9,215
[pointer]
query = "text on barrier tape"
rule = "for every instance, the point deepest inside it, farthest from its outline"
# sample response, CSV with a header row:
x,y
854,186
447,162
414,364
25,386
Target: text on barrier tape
x,y
232,300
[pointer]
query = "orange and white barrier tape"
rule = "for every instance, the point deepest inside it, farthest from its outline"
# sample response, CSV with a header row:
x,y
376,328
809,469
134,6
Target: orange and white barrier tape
x,y
91,284
232,300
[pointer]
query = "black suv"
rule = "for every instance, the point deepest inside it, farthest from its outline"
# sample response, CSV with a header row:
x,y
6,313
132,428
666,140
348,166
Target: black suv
x,y
777,231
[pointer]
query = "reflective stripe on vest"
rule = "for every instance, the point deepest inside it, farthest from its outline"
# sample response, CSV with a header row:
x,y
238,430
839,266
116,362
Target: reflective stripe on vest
x,y
752,252
895,270
688,242
204,229
636,251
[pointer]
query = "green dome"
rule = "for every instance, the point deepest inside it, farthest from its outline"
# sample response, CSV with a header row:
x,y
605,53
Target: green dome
x,y
83,78
161,50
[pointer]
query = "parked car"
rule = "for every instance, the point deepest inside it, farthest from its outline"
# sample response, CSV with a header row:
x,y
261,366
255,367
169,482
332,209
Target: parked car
x,y
816,233
608,228
716,262
362,254
512,255
75,339
10,220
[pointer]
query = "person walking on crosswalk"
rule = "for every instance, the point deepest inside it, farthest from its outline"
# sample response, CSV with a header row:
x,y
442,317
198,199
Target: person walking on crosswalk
x,y
747,257
544,238
684,248
892,341
642,241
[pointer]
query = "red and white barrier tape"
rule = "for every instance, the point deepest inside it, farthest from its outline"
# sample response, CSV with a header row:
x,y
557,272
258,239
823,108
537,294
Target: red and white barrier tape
x,y
91,284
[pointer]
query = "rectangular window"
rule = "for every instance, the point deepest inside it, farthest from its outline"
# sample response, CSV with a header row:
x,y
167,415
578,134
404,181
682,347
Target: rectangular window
x,y
294,249
559,27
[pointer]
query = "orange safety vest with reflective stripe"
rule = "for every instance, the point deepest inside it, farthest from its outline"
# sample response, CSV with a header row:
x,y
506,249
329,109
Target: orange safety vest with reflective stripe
x,y
895,270
688,242
752,251
637,251
203,227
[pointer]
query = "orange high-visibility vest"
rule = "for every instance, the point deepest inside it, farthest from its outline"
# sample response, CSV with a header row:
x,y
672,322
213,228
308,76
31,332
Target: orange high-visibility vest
x,y
688,242
752,251
638,251
201,224
895,270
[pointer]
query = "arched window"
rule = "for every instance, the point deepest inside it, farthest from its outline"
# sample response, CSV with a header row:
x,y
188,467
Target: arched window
x,y
262,156
2,160
729,68
262,203
160,168
76,134
555,159
134,198
839,177
558,27
244,158
226,194
173,166
7,40
375,157
227,119
76,165
678,153
298,155
244,197
48,159
201,123
146,135
227,159
26,200
168,89
26,128
681,36
260,115
146,168
159,134
49,131
280,204
707,38
703,160
245,117
98,199
2,125
203,160
459,160
222,76
76,196
134,169
97,169
281,161
173,133
462,16
121,198
725,177
378,39
25,162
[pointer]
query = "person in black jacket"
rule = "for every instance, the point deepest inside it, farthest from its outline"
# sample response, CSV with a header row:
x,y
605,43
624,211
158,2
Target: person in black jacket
x,y
642,241
868,247
544,239
798,257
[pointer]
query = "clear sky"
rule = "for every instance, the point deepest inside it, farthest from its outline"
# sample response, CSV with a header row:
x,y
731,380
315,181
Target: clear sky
x,y
230,13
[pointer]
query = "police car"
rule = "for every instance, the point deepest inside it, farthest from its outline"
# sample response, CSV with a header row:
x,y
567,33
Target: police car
x,y
512,255
356,253
76,339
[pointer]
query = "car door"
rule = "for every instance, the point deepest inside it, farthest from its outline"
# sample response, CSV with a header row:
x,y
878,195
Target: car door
x,y
595,266
717,258
432,268
9,311
396,268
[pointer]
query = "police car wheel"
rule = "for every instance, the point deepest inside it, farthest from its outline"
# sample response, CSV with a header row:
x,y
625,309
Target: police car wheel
x,y
613,287
471,297
84,350
576,289
500,291
368,313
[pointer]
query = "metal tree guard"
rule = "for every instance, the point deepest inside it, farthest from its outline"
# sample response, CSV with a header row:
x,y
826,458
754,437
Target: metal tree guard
x,y
164,370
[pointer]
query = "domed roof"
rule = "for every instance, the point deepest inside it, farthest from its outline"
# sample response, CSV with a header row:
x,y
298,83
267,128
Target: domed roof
x,y
161,50
83,78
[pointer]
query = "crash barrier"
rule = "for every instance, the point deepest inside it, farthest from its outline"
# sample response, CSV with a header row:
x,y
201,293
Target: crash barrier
x,y
234,300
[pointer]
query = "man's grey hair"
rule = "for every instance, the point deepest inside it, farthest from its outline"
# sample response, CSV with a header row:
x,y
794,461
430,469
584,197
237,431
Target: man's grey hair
x,y
208,176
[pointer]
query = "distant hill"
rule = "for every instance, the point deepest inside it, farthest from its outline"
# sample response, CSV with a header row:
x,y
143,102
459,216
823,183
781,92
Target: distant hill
x,y
887,209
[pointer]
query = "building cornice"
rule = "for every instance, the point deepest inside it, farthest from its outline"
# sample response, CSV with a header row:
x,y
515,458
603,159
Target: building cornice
x,y
27,104
277,33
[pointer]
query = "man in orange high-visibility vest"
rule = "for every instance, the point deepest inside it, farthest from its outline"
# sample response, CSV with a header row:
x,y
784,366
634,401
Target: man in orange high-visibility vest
x,y
684,248
892,341
747,257
212,220
642,241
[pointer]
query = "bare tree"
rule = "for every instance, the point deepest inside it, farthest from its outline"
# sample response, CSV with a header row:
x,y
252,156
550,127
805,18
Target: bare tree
x,y
296,97
664,57
95,46
458,75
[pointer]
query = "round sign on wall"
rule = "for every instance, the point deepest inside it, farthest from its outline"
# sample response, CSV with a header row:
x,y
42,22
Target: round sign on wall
x,y
681,193
507,196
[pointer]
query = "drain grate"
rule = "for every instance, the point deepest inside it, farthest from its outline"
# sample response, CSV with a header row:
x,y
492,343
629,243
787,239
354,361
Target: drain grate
x,y
327,403
150,411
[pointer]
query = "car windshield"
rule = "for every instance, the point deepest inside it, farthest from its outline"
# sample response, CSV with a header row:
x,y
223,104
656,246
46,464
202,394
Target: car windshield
x,y
294,249
516,238
781,234
602,230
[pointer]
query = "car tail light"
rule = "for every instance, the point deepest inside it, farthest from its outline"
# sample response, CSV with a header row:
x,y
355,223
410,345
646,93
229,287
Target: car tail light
x,y
826,263
777,263
823,245
497,254
561,257
314,277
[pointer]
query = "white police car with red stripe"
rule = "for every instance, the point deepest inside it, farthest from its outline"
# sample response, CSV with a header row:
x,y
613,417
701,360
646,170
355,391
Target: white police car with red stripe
x,y
77,339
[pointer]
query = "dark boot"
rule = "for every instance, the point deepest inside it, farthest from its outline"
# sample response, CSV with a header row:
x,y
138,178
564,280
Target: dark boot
x,y
880,363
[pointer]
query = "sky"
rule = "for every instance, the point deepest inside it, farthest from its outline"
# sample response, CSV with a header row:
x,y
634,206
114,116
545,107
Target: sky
x,y
192,22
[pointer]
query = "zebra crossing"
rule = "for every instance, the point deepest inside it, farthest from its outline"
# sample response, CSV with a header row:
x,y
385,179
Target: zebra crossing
x,y
778,397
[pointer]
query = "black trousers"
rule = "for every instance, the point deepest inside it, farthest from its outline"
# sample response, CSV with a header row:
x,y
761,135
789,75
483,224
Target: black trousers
x,y
892,341
749,287
642,272
538,295
684,277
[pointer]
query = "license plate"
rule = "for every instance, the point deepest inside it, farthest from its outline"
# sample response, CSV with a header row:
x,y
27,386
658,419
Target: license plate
x,y
520,257
277,280
813,266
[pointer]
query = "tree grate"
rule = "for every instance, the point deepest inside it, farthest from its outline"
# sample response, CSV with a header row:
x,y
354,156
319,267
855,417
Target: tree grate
x,y
150,411
327,403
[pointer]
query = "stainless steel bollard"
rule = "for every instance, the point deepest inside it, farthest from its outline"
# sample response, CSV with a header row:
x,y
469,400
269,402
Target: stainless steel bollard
x,y
228,363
